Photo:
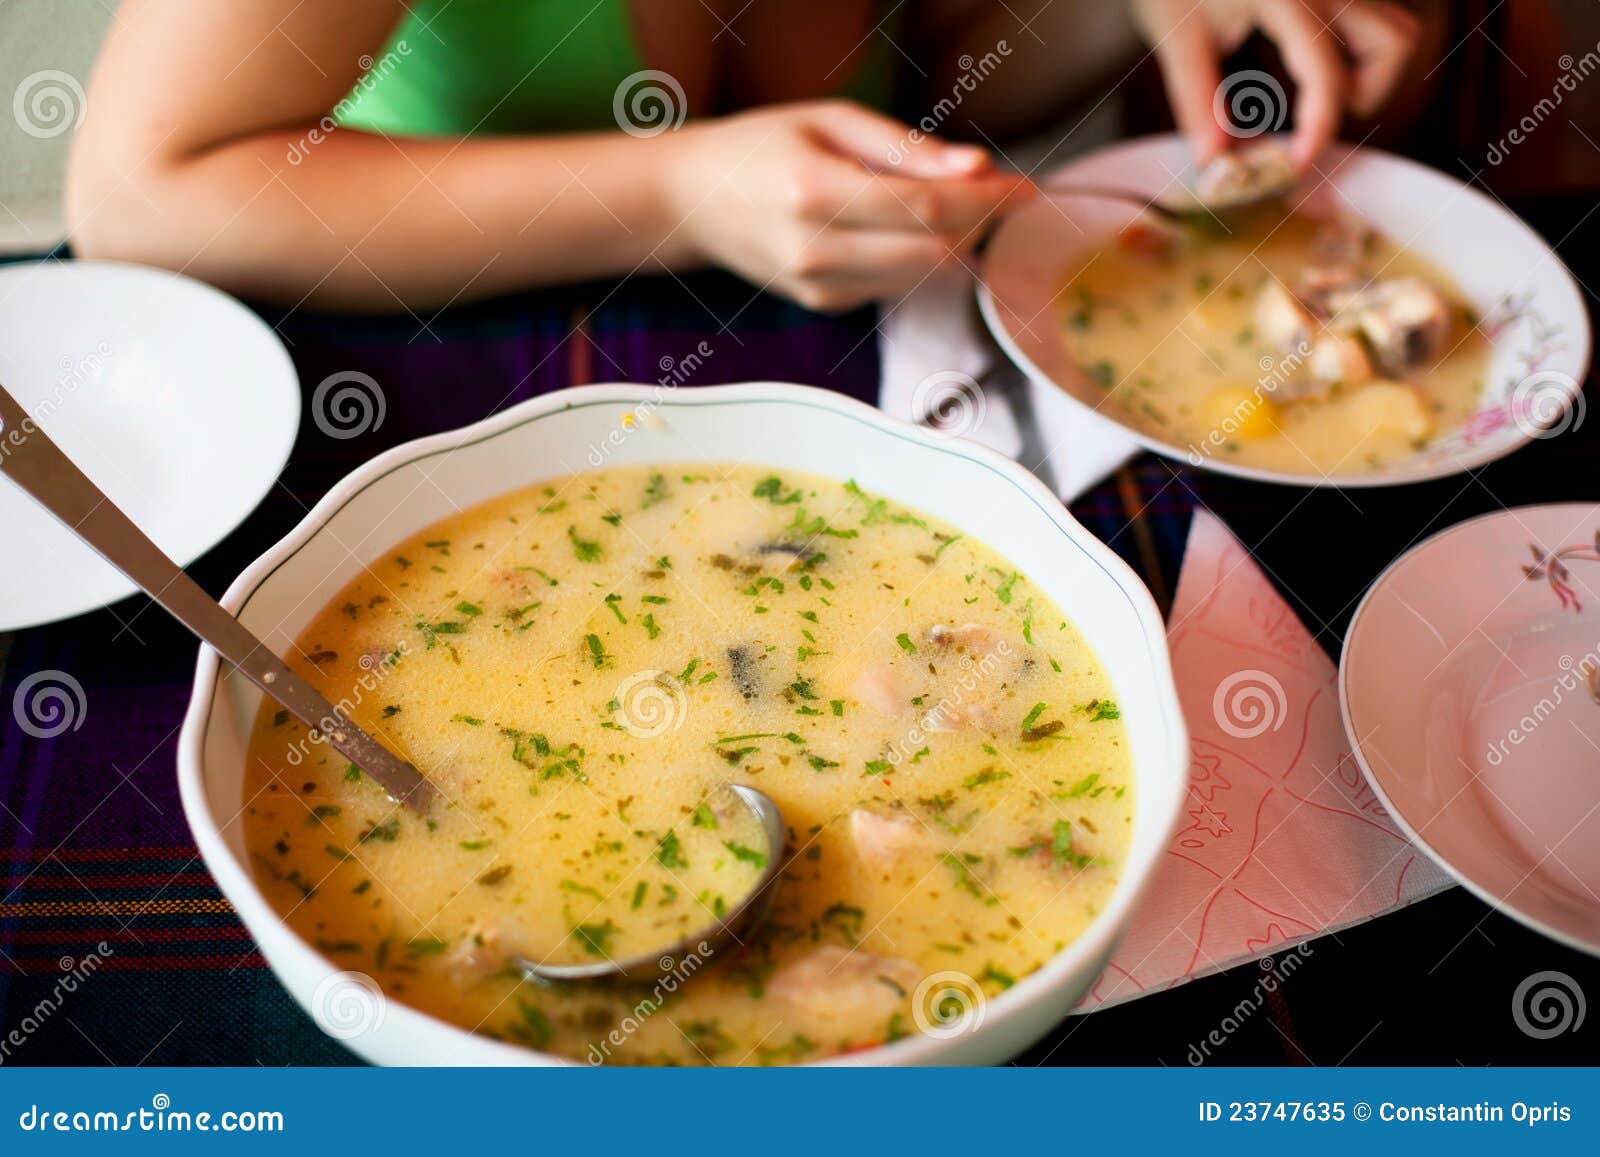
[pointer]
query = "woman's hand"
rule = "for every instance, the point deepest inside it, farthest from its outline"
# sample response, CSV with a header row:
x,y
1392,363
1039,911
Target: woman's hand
x,y
829,203
1342,55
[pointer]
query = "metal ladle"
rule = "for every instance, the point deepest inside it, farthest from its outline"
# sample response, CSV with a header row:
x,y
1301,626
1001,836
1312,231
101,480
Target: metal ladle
x,y
36,464
44,472
705,943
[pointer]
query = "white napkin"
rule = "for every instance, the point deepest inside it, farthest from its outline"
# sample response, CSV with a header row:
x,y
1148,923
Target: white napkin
x,y
934,353
935,330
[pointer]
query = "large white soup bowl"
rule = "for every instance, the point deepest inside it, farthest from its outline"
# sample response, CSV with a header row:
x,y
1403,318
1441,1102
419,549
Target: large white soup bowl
x,y
782,426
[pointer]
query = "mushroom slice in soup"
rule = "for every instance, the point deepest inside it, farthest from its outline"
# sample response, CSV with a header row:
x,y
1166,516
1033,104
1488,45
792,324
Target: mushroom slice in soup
x,y
742,670
788,555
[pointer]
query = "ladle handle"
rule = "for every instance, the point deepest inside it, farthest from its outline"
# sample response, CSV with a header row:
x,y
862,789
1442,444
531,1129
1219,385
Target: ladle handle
x,y
37,465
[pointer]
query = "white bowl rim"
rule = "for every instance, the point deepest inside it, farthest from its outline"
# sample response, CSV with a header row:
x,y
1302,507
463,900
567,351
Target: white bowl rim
x,y
1099,938
1340,153
1487,895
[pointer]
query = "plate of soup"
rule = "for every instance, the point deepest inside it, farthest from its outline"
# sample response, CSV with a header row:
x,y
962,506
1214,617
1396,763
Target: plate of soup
x,y
1381,323
581,619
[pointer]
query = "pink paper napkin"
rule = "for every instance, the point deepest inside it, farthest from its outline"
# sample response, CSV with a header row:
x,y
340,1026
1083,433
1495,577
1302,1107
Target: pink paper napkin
x,y
1281,839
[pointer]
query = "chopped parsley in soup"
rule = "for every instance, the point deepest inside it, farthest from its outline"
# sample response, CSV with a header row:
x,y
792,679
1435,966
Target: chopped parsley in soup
x,y
579,666
1284,341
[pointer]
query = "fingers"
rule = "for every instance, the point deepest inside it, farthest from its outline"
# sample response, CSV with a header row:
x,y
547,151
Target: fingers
x,y
882,143
864,255
1380,38
1311,54
1188,57
838,191
844,268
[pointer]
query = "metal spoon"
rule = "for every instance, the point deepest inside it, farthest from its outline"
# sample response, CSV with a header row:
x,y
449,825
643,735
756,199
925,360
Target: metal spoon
x,y
701,945
1186,216
37,465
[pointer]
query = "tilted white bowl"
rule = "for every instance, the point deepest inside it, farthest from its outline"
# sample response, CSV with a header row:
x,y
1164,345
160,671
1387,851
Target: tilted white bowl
x,y
783,426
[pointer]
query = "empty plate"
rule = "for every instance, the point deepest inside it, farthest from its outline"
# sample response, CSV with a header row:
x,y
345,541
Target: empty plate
x,y
1470,684
178,401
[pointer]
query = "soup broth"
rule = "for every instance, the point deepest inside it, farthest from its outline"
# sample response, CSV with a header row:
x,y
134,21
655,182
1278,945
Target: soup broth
x,y
1190,343
578,666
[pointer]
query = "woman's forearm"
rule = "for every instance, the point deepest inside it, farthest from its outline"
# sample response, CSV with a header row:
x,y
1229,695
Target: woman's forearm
x,y
203,150
362,222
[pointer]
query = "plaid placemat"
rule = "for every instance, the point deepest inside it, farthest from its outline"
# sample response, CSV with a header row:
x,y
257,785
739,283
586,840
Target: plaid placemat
x,y
97,852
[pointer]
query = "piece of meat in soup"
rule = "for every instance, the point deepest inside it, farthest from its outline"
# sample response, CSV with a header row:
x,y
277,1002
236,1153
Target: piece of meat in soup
x,y
1245,175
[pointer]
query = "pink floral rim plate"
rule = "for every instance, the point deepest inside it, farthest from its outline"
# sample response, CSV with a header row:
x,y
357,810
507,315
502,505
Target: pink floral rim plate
x,y
1470,685
1530,307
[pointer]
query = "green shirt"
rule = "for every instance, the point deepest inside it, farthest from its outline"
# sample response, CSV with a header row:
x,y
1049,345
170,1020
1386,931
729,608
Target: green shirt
x,y
456,67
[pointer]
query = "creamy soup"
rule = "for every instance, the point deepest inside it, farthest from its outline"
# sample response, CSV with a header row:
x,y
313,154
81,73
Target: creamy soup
x,y
1292,343
580,665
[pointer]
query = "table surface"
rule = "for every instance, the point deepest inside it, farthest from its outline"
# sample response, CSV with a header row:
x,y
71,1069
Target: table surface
x,y
96,848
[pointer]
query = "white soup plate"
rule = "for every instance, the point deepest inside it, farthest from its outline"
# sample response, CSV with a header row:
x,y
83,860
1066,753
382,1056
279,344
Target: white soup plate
x,y
1470,684
1528,304
175,399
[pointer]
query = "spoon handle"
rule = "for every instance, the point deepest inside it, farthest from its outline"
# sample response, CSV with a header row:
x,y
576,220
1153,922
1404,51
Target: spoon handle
x,y
37,465
1144,202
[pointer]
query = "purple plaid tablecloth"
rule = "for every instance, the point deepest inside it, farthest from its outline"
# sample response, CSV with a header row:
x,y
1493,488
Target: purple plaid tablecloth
x,y
97,851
